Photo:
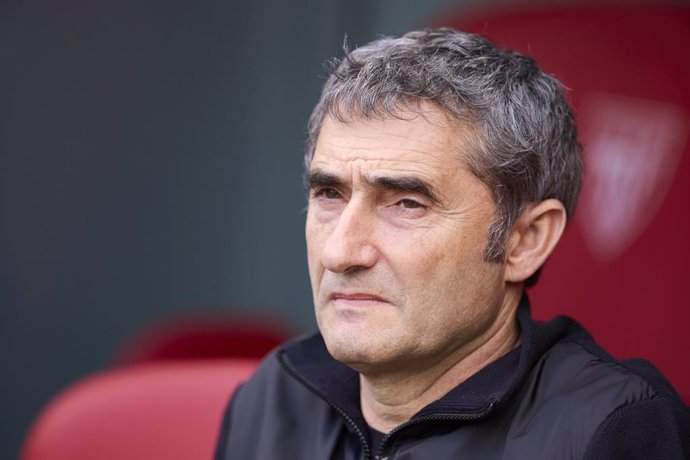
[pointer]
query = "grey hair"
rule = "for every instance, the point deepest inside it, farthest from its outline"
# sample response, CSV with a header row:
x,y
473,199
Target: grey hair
x,y
525,146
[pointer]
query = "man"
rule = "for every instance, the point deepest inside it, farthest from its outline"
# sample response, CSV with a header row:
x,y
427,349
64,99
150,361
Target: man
x,y
442,171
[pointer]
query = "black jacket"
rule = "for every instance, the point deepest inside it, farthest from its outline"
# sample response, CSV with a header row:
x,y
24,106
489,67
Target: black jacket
x,y
557,396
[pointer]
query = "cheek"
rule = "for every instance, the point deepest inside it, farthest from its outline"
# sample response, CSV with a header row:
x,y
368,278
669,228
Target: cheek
x,y
317,228
314,231
421,272
317,234
313,239
442,268
424,252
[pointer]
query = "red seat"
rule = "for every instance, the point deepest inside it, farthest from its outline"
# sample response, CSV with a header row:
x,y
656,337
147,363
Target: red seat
x,y
204,337
165,411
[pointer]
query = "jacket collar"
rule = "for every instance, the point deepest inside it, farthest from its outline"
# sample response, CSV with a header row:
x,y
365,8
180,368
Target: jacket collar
x,y
308,360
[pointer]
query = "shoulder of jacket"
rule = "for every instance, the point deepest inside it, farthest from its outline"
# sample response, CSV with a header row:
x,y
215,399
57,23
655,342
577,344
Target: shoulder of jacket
x,y
583,373
571,390
585,362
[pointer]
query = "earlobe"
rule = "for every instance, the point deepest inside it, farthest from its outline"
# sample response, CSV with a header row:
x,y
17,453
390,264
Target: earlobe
x,y
533,238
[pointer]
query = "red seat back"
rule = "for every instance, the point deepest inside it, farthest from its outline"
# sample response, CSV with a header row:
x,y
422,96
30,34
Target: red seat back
x,y
204,337
166,411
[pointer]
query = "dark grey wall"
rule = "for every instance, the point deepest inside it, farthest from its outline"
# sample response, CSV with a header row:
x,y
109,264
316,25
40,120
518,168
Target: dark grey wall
x,y
150,165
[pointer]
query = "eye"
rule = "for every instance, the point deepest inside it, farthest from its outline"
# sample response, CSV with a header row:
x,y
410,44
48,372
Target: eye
x,y
327,192
410,204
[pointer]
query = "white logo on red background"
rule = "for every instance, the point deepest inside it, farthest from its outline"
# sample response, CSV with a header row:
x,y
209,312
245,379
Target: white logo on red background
x,y
631,150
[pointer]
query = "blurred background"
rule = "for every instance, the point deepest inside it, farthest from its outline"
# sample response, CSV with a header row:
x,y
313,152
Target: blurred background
x,y
151,162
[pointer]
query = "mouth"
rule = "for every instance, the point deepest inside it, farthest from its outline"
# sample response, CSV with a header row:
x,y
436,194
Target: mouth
x,y
356,299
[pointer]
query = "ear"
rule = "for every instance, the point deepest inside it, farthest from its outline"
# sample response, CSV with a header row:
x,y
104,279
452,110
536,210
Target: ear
x,y
534,236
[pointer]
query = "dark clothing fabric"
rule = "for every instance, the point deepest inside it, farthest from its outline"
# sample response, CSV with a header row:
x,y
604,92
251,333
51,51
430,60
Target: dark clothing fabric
x,y
375,437
557,396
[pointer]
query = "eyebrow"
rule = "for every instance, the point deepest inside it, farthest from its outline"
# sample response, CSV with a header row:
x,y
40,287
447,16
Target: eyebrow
x,y
318,179
405,184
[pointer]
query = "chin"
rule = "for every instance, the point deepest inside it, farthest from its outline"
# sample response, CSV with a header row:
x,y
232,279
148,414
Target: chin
x,y
358,338
360,351
348,346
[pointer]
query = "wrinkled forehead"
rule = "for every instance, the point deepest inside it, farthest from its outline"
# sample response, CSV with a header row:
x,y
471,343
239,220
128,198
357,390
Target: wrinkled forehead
x,y
425,147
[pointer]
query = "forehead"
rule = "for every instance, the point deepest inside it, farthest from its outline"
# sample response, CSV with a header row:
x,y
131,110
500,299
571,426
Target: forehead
x,y
428,142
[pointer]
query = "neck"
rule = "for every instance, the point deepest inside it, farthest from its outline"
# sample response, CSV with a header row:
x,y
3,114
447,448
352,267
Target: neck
x,y
391,399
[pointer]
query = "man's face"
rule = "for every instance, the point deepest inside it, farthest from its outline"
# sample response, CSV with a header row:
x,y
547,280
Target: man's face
x,y
396,232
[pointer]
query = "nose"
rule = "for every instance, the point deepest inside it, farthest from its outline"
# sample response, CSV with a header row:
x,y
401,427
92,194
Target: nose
x,y
350,245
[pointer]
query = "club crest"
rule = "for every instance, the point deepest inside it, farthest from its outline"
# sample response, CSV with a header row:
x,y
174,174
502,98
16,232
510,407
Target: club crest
x,y
631,149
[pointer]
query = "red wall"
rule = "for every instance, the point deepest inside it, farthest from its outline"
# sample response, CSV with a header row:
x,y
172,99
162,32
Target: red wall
x,y
622,267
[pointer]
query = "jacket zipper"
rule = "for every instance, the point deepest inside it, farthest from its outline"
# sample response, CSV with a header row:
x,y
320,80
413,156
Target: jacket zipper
x,y
432,418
